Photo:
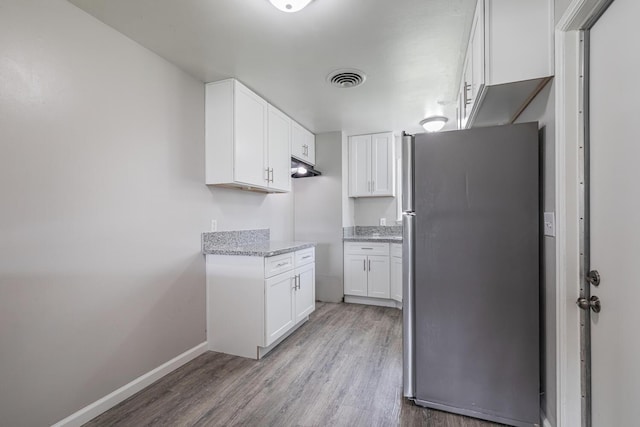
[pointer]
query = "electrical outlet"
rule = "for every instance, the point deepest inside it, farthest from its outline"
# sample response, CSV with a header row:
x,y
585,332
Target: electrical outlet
x,y
550,224
214,225
383,221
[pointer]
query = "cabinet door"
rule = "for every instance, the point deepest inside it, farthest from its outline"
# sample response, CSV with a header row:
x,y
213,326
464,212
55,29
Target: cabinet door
x,y
306,293
378,272
303,144
355,275
382,163
310,142
250,137
396,278
467,76
359,165
477,56
279,146
297,141
279,303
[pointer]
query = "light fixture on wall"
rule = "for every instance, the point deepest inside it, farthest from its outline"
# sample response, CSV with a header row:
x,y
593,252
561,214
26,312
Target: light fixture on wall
x,y
433,123
290,5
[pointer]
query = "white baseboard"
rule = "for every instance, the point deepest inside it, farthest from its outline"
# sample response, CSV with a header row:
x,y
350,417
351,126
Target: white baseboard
x,y
112,399
545,420
381,302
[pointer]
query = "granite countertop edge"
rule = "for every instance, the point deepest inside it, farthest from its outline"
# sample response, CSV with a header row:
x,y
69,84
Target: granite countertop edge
x,y
381,239
261,249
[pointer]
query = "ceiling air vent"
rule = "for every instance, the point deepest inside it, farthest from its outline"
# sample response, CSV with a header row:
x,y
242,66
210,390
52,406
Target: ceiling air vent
x,y
346,78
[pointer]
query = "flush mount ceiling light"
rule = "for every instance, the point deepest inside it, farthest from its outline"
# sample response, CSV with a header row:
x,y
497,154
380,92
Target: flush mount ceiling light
x,y
290,5
433,123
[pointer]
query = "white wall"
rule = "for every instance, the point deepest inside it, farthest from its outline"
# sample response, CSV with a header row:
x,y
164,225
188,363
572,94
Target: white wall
x,y
561,7
542,109
318,215
102,203
348,205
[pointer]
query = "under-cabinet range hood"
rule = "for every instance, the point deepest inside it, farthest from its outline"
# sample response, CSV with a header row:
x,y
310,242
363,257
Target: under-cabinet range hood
x,y
301,169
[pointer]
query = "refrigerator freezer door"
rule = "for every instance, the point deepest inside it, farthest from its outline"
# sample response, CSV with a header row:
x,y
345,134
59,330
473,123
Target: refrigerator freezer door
x,y
407,173
408,308
476,273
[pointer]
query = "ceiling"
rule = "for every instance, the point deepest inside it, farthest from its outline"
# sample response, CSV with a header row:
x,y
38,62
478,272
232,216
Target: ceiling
x,y
411,51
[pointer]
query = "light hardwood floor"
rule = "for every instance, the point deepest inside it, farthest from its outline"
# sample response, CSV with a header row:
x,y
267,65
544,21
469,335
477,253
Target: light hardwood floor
x,y
342,368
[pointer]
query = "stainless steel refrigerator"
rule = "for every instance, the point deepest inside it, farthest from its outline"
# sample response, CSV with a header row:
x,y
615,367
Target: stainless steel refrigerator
x,y
470,272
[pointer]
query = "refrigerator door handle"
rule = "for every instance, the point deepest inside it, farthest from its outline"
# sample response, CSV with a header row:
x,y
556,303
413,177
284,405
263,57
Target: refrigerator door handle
x,y
408,194
408,304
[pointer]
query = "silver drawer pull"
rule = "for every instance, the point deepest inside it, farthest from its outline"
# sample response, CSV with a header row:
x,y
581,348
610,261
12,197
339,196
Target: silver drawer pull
x,y
307,256
367,248
282,264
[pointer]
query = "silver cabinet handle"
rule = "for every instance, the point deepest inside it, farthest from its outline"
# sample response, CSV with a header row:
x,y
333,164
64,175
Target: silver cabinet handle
x,y
267,171
373,186
271,171
369,265
294,283
364,265
307,256
369,249
281,264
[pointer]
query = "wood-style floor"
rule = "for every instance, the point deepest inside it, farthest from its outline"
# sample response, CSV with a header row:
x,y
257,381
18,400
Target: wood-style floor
x,y
342,368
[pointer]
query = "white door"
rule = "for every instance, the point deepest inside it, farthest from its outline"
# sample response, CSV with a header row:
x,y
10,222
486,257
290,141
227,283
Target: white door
x,y
359,165
250,137
279,152
355,275
279,301
615,216
382,163
306,292
378,280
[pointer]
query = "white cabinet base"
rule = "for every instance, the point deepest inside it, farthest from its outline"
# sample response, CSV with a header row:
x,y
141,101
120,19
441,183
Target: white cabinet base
x,y
381,302
251,303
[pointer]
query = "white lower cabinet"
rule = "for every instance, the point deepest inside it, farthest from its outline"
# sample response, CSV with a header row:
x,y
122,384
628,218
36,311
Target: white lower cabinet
x,y
279,305
305,301
396,272
255,302
366,269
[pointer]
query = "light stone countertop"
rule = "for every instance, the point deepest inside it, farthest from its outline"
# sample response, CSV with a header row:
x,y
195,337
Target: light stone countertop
x,y
261,249
370,238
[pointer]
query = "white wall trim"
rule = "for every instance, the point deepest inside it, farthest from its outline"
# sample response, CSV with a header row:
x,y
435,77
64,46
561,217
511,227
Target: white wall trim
x,y
567,329
568,139
545,420
112,399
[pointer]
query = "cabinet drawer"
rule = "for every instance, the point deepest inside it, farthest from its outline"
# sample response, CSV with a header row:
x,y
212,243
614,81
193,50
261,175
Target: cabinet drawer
x,y
366,248
396,250
305,256
278,264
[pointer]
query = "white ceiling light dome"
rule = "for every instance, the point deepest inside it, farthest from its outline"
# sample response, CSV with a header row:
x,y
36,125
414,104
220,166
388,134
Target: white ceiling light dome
x,y
434,123
290,5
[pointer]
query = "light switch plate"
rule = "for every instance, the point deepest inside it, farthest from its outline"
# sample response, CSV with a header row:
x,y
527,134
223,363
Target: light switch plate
x,y
383,221
550,224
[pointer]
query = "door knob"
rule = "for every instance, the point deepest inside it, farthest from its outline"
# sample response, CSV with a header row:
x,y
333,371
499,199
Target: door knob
x,y
593,277
592,303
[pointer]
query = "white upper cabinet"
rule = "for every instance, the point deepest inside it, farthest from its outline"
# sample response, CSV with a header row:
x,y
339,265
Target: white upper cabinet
x,y
303,144
247,140
509,60
371,165
279,145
